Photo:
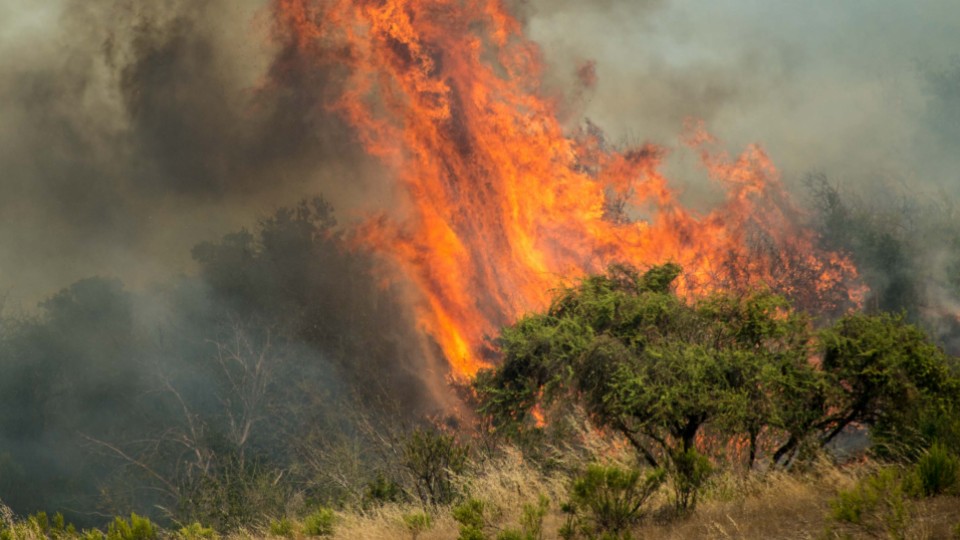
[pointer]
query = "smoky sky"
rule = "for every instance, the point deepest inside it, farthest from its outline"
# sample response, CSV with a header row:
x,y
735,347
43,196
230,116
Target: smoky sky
x,y
864,91
130,131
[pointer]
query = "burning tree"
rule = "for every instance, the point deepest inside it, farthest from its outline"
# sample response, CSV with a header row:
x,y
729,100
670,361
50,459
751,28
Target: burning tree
x,y
504,202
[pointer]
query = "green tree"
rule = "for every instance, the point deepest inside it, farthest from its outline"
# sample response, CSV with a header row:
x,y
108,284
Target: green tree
x,y
886,374
654,367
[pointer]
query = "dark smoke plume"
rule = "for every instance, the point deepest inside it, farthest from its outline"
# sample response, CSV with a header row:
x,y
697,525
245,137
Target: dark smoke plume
x,y
132,129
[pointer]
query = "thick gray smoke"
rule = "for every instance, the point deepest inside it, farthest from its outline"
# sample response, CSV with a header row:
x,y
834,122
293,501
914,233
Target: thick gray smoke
x,y
133,132
134,129
131,129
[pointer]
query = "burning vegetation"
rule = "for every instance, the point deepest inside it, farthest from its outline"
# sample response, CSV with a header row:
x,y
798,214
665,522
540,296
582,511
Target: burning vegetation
x,y
534,337
504,203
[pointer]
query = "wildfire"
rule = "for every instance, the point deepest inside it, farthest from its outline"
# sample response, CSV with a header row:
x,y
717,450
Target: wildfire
x,y
506,205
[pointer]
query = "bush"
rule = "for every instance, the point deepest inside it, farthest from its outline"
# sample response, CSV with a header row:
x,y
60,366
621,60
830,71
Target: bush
x,y
383,490
37,525
417,523
281,527
938,471
607,500
470,517
434,458
690,471
319,523
138,528
531,522
57,527
877,504
196,531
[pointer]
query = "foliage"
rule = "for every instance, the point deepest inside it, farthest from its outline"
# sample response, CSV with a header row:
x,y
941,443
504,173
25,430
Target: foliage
x,y
662,371
137,528
470,516
295,270
607,500
319,523
692,471
938,471
434,458
114,400
383,490
880,371
281,527
417,523
877,504
531,522
657,369
232,491
196,531
38,525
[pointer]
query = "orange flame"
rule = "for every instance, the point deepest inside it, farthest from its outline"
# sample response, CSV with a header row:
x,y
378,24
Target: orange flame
x,y
504,203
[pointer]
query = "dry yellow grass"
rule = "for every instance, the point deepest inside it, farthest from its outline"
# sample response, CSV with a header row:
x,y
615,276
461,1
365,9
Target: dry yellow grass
x,y
770,506
775,505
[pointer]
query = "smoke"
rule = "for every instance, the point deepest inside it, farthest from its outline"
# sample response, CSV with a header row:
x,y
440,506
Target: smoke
x,y
863,91
134,130
860,96
131,130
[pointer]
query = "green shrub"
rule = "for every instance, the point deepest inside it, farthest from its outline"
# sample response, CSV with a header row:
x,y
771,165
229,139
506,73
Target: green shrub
x,y
383,490
470,516
531,522
138,528
39,525
319,523
433,459
690,472
938,471
417,523
877,504
281,527
196,531
606,501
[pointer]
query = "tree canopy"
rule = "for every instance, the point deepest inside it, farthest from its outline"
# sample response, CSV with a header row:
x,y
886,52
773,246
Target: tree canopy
x,y
670,373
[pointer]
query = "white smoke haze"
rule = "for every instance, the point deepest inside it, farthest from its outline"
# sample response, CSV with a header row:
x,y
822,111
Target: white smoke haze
x,y
837,87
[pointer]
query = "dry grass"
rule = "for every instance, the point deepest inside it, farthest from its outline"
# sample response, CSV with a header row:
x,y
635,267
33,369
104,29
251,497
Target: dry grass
x,y
504,484
775,506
